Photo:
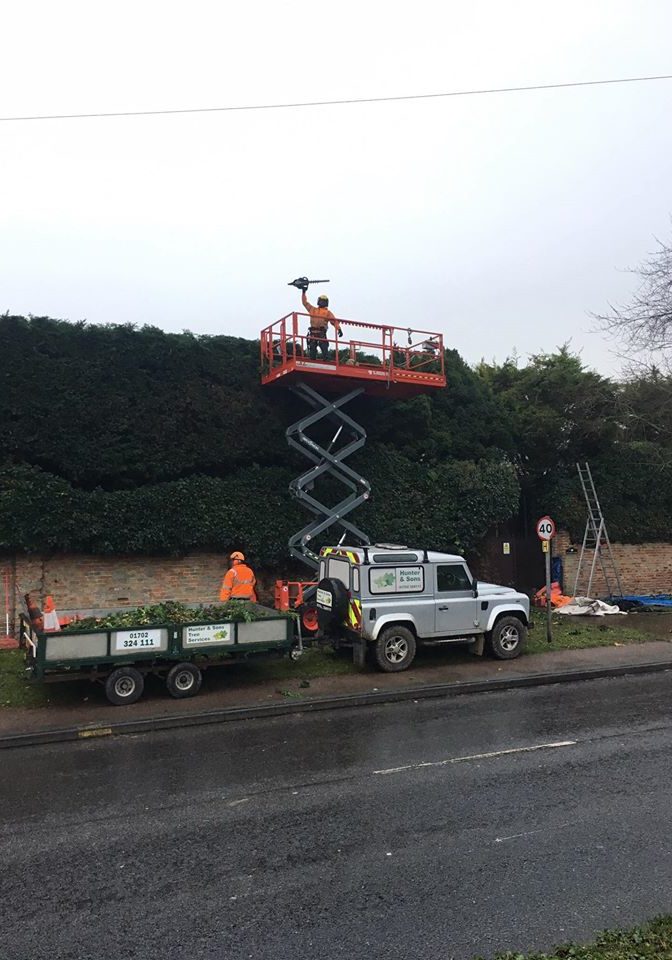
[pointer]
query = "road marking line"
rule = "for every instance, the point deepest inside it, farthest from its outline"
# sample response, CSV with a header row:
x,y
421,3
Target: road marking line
x,y
516,836
478,756
529,833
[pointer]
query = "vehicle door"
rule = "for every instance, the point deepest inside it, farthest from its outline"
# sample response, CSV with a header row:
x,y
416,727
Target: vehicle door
x,y
456,608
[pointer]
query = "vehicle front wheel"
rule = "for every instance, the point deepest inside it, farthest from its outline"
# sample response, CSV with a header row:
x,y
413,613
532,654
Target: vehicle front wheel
x,y
394,650
507,638
124,685
184,680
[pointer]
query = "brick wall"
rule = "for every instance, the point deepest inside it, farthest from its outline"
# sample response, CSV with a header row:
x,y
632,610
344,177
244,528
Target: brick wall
x,y
86,582
644,568
79,583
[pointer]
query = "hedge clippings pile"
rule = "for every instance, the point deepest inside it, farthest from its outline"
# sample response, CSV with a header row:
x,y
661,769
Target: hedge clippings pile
x,y
235,611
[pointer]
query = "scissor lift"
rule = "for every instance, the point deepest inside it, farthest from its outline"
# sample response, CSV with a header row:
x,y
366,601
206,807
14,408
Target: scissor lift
x,y
377,360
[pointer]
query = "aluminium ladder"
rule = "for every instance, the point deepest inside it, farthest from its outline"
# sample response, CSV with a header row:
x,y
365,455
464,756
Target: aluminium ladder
x,y
595,538
328,462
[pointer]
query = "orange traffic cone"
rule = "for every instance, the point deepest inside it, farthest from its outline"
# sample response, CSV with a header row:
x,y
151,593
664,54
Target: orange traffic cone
x,y
50,616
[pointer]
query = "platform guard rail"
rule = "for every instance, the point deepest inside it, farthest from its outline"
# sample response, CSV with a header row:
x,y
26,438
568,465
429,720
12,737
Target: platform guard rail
x,y
399,354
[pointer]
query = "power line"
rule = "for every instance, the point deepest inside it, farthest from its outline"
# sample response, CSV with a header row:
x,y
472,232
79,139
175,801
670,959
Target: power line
x,y
334,103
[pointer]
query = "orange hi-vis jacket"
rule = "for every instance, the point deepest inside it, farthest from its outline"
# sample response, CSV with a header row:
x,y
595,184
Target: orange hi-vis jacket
x,y
238,584
320,317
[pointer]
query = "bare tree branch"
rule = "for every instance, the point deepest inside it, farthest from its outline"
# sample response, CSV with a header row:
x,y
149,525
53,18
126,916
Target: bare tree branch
x,y
645,324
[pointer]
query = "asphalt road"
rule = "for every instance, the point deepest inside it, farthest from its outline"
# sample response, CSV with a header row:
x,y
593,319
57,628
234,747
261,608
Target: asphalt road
x,y
438,829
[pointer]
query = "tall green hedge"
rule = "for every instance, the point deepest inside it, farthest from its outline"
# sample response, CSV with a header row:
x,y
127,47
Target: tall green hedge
x,y
450,505
118,439
252,510
123,440
117,406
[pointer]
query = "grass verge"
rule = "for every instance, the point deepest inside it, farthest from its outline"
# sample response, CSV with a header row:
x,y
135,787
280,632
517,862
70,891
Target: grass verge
x,y
576,633
15,691
650,942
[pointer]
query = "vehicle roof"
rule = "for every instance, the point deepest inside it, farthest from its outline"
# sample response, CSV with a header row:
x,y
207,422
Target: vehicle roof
x,y
433,556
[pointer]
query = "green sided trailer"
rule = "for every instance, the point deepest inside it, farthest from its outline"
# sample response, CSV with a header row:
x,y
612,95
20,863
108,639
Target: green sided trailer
x,y
177,652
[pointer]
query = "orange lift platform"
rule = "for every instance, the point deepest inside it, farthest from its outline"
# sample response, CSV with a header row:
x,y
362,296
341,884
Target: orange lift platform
x,y
382,360
369,359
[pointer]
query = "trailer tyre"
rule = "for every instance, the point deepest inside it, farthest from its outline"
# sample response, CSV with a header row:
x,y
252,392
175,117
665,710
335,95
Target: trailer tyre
x,y
184,680
124,685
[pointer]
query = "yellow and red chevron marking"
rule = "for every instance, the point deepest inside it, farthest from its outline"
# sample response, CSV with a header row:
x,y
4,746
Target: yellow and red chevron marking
x,y
339,552
355,614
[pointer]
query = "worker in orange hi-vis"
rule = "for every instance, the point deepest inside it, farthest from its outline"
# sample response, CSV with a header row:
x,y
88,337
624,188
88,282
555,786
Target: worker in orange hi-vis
x,y
320,318
239,581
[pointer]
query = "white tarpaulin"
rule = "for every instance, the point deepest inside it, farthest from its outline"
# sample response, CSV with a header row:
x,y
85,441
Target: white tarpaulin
x,y
585,607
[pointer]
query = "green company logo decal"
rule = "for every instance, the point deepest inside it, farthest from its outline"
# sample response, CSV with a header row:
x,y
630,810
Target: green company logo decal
x,y
399,580
385,580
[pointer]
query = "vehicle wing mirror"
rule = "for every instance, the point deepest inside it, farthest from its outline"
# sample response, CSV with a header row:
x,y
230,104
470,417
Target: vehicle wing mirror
x,y
475,587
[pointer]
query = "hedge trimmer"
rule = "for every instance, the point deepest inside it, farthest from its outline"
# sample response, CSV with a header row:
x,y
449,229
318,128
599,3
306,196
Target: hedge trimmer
x,y
302,283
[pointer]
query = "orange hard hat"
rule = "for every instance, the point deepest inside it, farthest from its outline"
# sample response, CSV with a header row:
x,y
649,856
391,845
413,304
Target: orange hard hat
x,y
237,555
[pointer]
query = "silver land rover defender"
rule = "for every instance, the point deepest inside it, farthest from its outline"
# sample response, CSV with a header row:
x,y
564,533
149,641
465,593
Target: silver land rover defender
x,y
387,599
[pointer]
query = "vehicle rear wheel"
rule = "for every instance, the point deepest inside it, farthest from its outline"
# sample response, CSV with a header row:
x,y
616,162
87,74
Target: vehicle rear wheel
x,y
507,638
184,680
394,650
124,685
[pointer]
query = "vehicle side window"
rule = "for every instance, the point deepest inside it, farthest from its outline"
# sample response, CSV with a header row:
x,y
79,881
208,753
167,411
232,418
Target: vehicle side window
x,y
451,576
389,558
396,579
355,579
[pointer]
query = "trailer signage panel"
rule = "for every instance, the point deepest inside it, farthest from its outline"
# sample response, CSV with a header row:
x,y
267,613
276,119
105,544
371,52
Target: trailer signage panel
x,y
138,641
219,633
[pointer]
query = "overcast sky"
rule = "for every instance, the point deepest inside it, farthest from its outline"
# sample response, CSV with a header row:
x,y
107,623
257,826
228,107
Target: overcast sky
x,y
501,221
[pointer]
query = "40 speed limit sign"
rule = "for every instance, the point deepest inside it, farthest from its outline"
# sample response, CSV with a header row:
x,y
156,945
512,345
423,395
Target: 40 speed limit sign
x,y
545,528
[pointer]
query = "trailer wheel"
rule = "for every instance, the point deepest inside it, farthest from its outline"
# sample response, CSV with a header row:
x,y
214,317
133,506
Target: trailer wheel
x,y
184,680
124,685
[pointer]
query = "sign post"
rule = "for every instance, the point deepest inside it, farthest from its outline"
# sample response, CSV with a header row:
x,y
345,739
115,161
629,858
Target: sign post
x,y
546,531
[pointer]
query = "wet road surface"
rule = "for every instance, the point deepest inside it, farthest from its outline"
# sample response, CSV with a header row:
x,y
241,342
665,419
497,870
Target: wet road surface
x,y
437,829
